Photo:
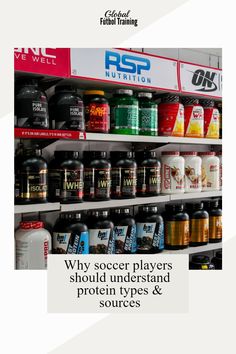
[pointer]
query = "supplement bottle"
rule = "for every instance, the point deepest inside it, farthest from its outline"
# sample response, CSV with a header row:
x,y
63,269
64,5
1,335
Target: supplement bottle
x,y
193,171
123,174
97,112
31,105
176,227
124,231
210,171
148,173
148,124
97,176
33,177
150,230
101,233
219,106
199,224
66,174
219,155
19,155
211,119
172,172
33,244
217,260
70,235
201,262
193,118
170,116
215,220
66,109
124,113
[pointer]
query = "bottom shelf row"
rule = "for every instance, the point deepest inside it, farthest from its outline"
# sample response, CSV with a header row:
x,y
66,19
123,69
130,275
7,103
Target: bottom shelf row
x,y
193,228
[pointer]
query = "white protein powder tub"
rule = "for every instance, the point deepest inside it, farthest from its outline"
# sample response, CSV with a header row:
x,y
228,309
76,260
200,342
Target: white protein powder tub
x,y
33,244
172,172
210,171
193,171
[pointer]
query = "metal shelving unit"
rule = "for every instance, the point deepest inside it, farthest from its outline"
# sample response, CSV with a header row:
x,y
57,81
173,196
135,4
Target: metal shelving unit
x,y
199,249
20,209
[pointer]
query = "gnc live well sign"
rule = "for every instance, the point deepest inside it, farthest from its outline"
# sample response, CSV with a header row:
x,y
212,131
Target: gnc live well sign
x,y
45,61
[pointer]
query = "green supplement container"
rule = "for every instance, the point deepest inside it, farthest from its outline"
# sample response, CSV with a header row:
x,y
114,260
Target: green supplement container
x,y
124,113
148,123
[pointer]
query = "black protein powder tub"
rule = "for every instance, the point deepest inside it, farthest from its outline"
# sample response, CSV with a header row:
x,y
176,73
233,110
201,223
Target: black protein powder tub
x,y
66,173
31,105
217,260
123,174
97,176
148,174
70,235
150,230
201,262
199,224
101,233
124,230
66,109
176,227
33,177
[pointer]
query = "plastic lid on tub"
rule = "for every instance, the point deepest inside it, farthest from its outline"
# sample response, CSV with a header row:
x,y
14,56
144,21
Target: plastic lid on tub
x,y
200,259
172,153
124,92
206,153
219,153
94,92
188,153
145,94
187,101
27,225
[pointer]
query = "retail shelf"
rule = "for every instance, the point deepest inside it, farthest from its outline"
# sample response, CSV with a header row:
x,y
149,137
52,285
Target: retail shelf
x,y
32,208
150,139
196,195
23,133
113,203
35,208
199,249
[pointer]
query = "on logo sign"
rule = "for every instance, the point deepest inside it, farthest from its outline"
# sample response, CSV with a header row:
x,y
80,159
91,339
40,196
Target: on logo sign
x,y
126,63
204,79
36,51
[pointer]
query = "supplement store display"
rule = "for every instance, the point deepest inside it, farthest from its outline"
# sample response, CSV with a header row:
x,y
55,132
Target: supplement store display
x,y
134,181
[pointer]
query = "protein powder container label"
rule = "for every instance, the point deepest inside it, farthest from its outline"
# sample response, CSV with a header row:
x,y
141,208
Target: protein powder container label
x,y
148,123
215,228
124,113
193,171
172,172
211,119
193,118
33,177
97,176
177,233
125,239
148,174
171,116
66,109
70,243
210,171
33,244
101,241
70,235
97,111
123,174
199,230
148,236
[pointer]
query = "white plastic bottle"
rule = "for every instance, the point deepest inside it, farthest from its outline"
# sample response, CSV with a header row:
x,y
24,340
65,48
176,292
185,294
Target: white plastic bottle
x,y
210,171
33,244
172,172
219,155
193,171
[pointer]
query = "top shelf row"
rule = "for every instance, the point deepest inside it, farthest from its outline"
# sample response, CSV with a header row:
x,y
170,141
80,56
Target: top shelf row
x,y
114,68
